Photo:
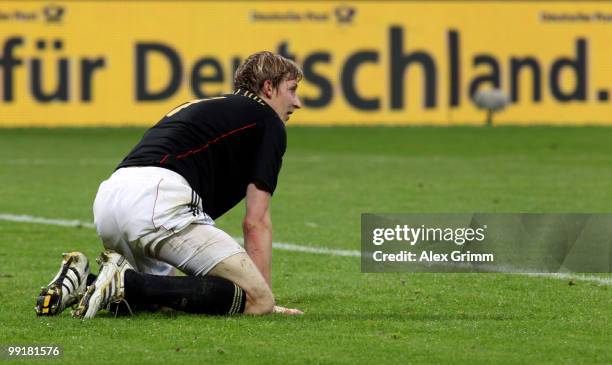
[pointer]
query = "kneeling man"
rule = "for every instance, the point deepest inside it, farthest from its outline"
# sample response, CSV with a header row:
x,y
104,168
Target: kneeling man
x,y
156,212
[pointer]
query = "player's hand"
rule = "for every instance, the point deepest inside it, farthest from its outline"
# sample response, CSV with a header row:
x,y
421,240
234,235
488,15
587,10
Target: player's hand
x,y
288,311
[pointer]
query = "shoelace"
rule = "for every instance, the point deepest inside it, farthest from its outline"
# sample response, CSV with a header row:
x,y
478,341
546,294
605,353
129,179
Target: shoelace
x,y
122,300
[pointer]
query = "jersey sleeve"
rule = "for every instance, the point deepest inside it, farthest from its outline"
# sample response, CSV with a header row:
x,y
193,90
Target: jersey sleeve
x,y
269,156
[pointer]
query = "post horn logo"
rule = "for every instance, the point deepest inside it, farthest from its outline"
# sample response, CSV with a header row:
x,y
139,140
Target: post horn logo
x,y
53,13
345,14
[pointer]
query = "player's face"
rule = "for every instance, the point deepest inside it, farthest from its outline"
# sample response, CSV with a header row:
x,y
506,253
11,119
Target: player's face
x,y
284,99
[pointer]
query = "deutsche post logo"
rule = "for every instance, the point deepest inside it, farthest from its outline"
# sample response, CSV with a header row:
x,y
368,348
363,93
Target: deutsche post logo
x,y
53,13
345,14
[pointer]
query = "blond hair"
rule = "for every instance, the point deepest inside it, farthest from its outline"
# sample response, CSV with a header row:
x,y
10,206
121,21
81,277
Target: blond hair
x,y
262,66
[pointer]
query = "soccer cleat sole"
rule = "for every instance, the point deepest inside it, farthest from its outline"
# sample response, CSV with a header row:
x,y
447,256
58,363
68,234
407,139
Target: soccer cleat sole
x,y
48,301
90,300
84,303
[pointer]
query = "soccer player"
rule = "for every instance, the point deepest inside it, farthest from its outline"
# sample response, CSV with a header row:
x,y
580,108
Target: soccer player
x,y
156,212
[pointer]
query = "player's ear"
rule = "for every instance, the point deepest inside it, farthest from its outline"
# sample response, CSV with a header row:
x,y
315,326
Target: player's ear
x,y
267,89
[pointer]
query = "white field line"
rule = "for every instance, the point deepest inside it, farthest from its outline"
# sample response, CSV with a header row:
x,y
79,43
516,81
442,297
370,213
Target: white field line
x,y
40,220
568,277
308,249
77,223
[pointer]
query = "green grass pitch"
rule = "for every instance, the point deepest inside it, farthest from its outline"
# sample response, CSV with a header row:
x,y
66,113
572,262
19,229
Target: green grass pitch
x,y
330,176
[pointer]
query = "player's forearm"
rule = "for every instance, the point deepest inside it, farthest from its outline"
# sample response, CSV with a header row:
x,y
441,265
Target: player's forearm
x,y
258,245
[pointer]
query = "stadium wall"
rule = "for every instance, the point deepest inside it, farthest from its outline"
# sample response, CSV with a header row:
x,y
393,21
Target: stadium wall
x,y
365,62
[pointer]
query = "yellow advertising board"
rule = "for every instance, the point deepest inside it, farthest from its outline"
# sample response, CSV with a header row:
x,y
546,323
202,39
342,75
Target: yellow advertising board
x,y
365,62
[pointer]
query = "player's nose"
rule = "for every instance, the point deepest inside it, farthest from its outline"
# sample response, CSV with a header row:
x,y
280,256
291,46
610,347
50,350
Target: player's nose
x,y
297,103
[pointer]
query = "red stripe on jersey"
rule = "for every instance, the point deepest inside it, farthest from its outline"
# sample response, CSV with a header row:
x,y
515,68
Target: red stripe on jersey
x,y
203,147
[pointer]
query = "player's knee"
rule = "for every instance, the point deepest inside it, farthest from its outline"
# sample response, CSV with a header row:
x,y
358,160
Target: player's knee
x,y
259,301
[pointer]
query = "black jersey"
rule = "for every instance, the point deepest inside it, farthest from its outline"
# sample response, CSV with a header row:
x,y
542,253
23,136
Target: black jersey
x,y
219,146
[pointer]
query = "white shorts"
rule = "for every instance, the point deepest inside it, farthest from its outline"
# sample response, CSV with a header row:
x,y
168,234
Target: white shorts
x,y
140,209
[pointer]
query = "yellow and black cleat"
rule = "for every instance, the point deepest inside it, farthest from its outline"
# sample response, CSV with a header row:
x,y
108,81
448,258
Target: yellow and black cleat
x,y
67,286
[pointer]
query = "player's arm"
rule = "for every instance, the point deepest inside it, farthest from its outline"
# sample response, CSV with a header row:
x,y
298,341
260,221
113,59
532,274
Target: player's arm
x,y
257,230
